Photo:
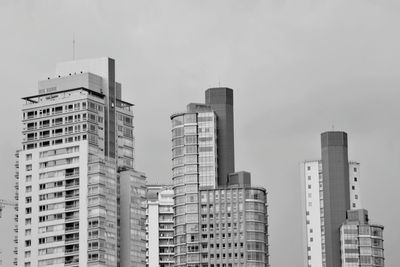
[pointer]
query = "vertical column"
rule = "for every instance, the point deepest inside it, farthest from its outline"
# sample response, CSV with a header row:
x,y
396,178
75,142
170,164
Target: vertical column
x,y
221,101
336,194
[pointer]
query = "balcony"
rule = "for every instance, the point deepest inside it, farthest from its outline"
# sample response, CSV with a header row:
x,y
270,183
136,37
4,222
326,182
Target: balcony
x,y
70,196
73,184
71,218
72,240
71,229
71,251
72,207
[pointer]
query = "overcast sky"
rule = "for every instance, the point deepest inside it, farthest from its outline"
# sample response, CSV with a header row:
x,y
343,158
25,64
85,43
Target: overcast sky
x,y
297,67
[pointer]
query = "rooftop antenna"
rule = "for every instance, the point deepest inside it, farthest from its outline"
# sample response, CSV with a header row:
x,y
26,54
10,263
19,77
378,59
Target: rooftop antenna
x,y
73,46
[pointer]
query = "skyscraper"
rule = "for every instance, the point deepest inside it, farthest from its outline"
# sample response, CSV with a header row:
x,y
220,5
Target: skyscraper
x,y
330,189
220,220
77,136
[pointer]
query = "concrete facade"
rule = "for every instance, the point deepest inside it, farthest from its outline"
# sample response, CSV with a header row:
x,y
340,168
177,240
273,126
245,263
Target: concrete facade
x,y
336,192
160,226
361,242
77,135
221,102
324,187
210,199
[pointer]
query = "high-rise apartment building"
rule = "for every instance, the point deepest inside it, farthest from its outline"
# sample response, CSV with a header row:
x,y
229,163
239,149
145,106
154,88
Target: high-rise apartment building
x,y
313,208
219,219
132,218
330,187
361,242
77,136
160,226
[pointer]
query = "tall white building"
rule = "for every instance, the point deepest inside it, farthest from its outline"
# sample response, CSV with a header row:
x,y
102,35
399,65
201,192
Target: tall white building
x,y
160,226
312,200
219,219
77,135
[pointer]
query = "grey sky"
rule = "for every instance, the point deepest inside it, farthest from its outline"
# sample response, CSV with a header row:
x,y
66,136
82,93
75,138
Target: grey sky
x,y
297,67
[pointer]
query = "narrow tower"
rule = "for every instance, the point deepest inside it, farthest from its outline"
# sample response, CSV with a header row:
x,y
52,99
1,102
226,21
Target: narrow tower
x,y
336,201
220,100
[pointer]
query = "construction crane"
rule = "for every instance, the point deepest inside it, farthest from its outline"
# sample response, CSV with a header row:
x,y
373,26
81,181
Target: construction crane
x,y
4,202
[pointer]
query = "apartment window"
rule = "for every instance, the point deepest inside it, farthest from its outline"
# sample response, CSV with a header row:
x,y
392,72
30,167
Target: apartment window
x,y
353,187
28,221
27,243
355,169
28,156
355,179
27,254
354,205
27,264
29,167
28,189
28,199
28,178
309,178
28,210
28,232
308,168
311,239
356,196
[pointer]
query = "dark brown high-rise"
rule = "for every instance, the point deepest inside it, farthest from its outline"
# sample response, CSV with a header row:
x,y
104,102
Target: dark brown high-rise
x,y
220,99
336,192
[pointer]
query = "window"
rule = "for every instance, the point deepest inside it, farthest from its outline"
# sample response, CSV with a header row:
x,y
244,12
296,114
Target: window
x,y
28,156
309,186
308,168
28,189
355,179
29,167
353,187
355,169
28,178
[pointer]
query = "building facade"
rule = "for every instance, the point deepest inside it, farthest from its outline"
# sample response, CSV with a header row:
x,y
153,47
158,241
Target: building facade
x,y
160,226
203,162
132,218
313,208
77,135
330,191
361,242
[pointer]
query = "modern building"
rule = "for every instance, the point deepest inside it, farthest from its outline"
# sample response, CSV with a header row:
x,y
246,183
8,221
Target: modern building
x,y
330,188
211,201
361,242
313,208
132,218
160,226
77,136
